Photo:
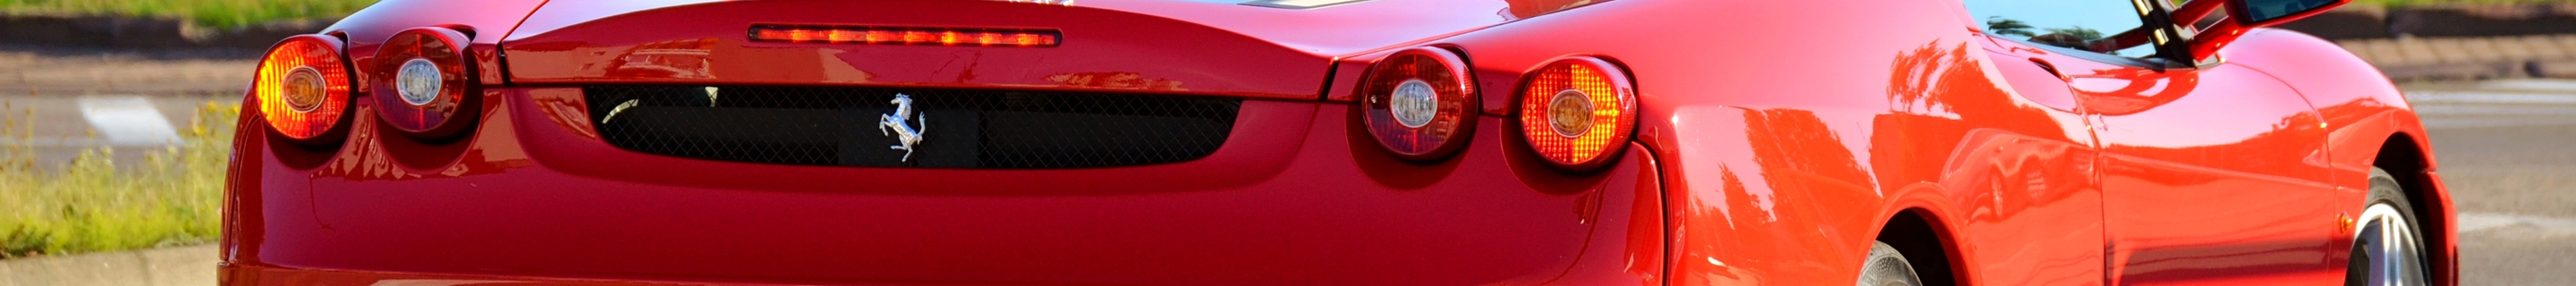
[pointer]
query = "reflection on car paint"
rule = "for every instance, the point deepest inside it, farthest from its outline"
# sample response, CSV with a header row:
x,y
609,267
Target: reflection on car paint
x,y
1755,162
1115,80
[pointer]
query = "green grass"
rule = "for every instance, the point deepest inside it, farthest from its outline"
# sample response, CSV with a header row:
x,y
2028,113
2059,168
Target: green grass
x,y
210,13
90,204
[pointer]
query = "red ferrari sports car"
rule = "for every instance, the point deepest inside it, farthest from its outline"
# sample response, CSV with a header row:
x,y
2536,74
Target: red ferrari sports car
x,y
1330,142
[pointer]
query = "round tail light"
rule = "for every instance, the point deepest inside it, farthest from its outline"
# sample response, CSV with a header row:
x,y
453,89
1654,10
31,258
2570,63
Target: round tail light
x,y
1577,111
302,89
1418,103
422,82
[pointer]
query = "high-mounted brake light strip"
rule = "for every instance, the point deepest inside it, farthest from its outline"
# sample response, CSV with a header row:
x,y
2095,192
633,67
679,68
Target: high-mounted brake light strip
x,y
907,36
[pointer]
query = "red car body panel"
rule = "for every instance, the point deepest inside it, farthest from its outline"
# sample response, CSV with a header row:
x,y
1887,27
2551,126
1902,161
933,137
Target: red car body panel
x,y
1246,213
1777,140
1195,48
1355,27
2364,115
681,45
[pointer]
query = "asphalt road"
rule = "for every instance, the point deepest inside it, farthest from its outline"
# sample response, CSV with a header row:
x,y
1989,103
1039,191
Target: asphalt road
x,y
2507,148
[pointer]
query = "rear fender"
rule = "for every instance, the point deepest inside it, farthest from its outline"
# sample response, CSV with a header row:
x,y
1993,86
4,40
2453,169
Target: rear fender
x,y
2362,112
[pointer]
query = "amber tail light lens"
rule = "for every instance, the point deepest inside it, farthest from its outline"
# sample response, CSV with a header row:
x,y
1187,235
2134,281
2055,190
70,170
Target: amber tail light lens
x,y
1576,112
303,88
422,81
1419,103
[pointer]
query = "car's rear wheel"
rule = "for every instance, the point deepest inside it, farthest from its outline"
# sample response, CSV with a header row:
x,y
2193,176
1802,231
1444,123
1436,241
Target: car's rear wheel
x,y
2387,247
1886,267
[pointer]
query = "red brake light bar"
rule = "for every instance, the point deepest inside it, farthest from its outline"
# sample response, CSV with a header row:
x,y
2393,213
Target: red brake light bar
x,y
907,36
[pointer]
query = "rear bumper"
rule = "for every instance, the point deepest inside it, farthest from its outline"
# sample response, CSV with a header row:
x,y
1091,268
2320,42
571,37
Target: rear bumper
x,y
1294,198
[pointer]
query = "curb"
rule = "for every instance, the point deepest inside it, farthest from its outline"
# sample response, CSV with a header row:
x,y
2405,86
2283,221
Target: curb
x,y
2559,69
2468,58
2455,71
186,265
2362,21
2554,69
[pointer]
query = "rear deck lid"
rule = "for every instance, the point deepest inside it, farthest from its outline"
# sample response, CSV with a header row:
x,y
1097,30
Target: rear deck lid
x,y
1206,47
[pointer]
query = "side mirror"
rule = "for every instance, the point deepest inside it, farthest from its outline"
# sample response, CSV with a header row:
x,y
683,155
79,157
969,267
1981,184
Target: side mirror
x,y
2242,16
2260,13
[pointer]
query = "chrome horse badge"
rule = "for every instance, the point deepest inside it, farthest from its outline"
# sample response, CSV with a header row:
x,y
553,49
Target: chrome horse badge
x,y
895,125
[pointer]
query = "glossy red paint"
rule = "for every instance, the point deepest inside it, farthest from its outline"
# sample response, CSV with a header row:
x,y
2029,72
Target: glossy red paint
x,y
1782,157
1112,50
1763,156
2238,201
1249,213
2363,115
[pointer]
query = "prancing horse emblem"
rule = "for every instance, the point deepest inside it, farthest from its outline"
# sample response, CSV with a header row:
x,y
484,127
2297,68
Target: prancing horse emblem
x,y
894,125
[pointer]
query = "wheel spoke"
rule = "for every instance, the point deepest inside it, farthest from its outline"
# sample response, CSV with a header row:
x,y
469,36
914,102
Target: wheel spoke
x,y
2388,249
2410,256
2372,240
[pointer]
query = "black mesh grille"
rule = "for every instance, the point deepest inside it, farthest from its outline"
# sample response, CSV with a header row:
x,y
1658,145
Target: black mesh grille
x,y
959,128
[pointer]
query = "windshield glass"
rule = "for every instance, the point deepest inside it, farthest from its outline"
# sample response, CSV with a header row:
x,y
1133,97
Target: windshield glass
x,y
2101,26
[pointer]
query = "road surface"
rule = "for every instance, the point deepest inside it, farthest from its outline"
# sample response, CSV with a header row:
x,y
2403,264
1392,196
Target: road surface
x,y
2508,151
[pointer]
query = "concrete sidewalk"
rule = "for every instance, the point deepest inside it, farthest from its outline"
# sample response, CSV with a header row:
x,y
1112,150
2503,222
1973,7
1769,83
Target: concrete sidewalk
x,y
188,265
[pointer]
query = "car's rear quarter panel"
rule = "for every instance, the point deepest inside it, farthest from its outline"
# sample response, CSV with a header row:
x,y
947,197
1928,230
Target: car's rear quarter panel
x,y
2363,112
1762,115
1773,121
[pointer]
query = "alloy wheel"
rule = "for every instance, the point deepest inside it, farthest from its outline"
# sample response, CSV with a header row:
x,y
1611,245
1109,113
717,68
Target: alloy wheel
x,y
2387,249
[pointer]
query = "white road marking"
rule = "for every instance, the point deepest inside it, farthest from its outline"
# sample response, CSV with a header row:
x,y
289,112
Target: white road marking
x,y
2475,221
2495,110
2439,122
2499,104
2558,85
128,121
2440,97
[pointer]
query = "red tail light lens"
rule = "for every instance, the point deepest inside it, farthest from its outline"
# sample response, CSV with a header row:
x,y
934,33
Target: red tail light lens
x,y
908,36
1419,103
421,83
1577,111
303,88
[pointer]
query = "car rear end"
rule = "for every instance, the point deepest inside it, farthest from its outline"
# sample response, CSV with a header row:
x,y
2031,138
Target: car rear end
x,y
909,142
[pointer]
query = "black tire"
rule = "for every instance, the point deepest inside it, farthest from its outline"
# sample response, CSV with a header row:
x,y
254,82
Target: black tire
x,y
2364,266
1887,267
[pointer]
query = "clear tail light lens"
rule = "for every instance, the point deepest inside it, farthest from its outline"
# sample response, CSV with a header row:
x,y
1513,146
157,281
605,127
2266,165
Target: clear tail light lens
x,y
1419,103
1577,111
422,81
303,88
